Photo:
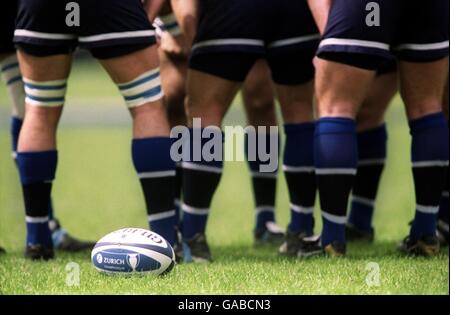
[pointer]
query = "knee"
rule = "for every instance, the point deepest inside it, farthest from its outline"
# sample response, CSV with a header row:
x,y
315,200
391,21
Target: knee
x,y
425,107
260,108
343,109
43,118
210,113
259,104
370,117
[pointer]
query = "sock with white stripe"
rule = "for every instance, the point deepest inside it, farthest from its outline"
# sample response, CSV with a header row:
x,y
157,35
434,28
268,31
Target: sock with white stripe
x,y
16,127
430,156
264,186
443,209
12,77
200,181
156,170
335,156
372,147
37,172
299,170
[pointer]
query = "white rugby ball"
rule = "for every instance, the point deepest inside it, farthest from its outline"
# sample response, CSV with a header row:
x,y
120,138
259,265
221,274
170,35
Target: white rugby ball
x,y
133,250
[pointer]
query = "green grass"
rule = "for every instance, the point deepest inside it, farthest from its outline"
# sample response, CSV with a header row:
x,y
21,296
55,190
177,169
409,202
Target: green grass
x,y
97,192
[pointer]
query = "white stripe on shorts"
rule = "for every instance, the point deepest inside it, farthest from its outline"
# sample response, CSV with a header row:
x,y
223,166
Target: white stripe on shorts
x,y
298,169
118,35
293,41
229,42
353,42
430,164
432,46
41,35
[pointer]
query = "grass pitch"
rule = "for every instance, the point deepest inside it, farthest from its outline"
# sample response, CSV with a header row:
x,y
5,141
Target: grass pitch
x,y
96,192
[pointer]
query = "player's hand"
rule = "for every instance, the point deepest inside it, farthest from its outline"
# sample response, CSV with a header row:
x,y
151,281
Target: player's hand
x,y
174,46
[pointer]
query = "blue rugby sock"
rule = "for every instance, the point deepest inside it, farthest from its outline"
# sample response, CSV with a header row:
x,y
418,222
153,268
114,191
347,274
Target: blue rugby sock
x,y
298,166
156,170
372,147
430,156
200,181
37,172
335,155
16,127
264,184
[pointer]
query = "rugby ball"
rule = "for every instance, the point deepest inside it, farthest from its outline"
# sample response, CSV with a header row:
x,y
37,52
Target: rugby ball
x,y
133,250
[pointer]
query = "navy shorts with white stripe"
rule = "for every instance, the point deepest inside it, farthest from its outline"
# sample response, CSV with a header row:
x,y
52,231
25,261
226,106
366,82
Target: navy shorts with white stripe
x,y
7,17
108,28
233,34
366,33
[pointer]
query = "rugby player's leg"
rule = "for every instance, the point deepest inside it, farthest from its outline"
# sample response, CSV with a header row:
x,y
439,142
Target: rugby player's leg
x,y
443,209
8,65
298,163
293,71
422,88
423,75
259,103
340,90
224,51
138,78
291,50
209,98
372,150
349,54
12,77
173,78
45,85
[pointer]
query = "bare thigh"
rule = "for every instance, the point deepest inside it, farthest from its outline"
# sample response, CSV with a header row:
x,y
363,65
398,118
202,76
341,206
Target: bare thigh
x,y
149,120
422,87
341,89
209,98
259,97
374,107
